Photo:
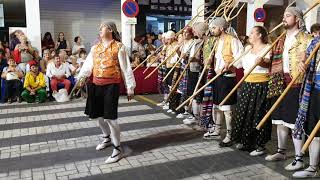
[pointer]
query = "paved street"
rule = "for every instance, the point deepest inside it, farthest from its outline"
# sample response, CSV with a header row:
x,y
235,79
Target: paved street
x,y
56,141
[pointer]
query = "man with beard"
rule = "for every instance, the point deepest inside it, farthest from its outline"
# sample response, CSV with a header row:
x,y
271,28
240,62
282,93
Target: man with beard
x,y
229,48
287,58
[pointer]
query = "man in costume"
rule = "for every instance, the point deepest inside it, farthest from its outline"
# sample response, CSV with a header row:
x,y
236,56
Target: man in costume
x,y
196,58
107,63
309,114
285,58
229,48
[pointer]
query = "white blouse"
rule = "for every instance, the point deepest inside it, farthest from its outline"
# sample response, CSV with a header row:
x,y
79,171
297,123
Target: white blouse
x,y
249,60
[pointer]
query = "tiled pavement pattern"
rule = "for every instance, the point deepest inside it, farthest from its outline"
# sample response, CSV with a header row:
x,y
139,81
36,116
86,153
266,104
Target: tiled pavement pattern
x,y
56,141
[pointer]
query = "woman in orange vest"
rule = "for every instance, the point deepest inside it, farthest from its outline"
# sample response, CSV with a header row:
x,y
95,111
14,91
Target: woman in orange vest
x,y
106,63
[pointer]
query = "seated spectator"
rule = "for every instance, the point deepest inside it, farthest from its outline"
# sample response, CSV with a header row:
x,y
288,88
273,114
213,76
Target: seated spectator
x,y
158,42
12,76
36,58
82,58
47,42
15,39
62,43
149,47
3,64
315,30
34,85
52,54
45,61
5,49
63,56
23,53
58,72
137,46
74,66
78,46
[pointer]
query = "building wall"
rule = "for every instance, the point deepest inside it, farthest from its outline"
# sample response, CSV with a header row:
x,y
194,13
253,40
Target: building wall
x,y
78,17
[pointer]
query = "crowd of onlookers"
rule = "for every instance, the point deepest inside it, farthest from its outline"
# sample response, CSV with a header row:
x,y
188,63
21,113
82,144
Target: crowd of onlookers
x,y
27,76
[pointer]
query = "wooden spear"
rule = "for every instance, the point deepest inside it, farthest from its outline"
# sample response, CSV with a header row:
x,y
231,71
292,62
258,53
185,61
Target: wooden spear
x,y
275,105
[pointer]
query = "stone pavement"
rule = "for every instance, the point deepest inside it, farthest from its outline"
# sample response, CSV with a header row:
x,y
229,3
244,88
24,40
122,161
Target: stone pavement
x,y
56,141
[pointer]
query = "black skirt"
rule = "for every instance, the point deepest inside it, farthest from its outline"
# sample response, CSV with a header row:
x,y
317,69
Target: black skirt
x,y
222,87
252,105
287,110
169,79
102,101
313,113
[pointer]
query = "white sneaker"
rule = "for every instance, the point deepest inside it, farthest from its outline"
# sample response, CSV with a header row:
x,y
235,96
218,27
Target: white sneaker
x,y
307,173
186,113
257,152
180,116
189,121
115,158
104,144
276,157
165,107
297,164
161,104
170,111
211,135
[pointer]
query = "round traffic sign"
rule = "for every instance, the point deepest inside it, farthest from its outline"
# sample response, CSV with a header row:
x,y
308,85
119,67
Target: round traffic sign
x,y
130,8
260,15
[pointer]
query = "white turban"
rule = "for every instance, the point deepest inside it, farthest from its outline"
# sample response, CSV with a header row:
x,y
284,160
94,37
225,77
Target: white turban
x,y
219,22
299,14
170,35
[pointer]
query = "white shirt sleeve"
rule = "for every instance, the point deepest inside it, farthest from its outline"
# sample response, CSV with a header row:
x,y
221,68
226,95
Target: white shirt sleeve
x,y
67,69
126,70
237,48
49,69
87,66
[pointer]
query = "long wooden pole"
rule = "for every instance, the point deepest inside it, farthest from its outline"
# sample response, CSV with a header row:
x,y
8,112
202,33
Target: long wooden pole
x,y
250,70
164,61
310,138
177,34
155,52
210,81
275,105
176,63
181,75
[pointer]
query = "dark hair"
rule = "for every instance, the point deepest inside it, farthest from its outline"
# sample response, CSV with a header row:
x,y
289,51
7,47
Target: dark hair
x,y
76,39
82,51
264,33
315,27
47,34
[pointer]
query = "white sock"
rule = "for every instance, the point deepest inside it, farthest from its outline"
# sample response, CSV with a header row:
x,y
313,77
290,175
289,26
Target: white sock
x,y
115,134
228,117
103,125
195,108
165,97
282,132
217,116
185,108
298,146
314,152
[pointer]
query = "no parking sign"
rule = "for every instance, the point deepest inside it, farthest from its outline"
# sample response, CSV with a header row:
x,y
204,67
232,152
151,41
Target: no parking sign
x,y
130,8
260,15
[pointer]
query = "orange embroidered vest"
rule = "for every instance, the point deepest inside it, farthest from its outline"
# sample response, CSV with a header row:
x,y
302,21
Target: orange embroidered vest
x,y
106,67
227,50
